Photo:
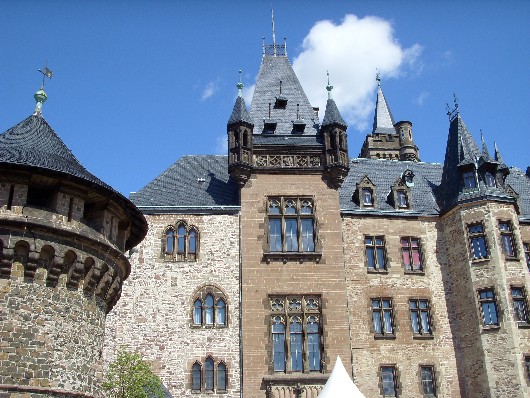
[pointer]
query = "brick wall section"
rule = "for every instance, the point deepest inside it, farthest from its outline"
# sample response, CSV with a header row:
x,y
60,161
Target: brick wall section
x,y
260,279
491,360
405,351
154,314
49,337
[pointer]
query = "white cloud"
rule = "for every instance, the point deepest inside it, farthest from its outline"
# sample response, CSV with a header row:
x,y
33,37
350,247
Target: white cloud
x,y
421,98
248,92
352,51
210,89
221,147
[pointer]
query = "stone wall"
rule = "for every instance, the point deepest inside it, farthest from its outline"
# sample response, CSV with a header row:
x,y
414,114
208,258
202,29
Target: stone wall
x,y
403,349
154,314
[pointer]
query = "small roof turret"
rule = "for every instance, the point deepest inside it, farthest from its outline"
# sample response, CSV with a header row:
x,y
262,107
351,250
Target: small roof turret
x,y
240,112
332,115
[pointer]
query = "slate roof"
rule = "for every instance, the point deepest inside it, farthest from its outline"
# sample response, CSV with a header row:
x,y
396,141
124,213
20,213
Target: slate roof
x,y
383,119
384,173
520,182
332,115
33,143
240,112
274,69
200,181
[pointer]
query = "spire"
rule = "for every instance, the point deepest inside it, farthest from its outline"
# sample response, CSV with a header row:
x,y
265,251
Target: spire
x,y
498,156
240,112
383,120
332,115
485,156
40,95
273,33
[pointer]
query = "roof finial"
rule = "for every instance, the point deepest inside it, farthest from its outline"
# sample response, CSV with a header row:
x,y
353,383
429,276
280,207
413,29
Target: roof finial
x,y
273,33
240,86
329,87
452,113
40,96
378,78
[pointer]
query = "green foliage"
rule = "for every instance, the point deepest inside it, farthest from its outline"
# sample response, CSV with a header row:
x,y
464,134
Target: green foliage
x,y
129,376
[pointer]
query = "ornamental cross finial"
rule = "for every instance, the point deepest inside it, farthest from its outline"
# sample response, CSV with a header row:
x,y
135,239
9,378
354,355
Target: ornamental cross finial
x,y
240,86
329,87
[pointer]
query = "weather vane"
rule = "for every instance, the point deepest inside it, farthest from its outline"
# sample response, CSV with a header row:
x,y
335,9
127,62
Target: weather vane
x,y
46,73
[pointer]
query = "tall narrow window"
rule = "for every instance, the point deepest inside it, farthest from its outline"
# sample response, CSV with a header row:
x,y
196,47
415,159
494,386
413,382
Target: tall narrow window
x,y
278,343
520,306
181,242
197,312
469,179
295,321
170,241
508,244
382,317
367,197
221,377
488,307
428,384
489,179
208,374
192,245
196,377
375,253
411,253
527,365
221,312
313,343
389,381
296,344
477,241
402,199
420,317
10,197
208,309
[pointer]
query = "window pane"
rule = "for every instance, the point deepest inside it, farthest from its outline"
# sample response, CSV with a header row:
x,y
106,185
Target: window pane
x,y
490,313
196,377
193,242
370,257
381,258
278,345
388,322
221,312
208,373
208,309
296,345
313,345
197,312
181,244
507,245
290,207
291,235
377,322
170,242
275,235
425,326
308,241
387,377
221,376
274,207
415,322
427,380
307,207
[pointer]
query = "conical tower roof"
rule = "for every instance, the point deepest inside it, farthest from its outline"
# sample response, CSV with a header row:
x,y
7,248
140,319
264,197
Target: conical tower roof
x,y
383,120
240,112
340,384
277,80
332,115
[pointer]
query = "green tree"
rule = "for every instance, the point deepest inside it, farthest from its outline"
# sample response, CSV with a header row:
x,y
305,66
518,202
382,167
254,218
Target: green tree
x,y
129,376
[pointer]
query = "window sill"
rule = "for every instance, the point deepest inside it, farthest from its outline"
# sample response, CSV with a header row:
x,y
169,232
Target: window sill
x,y
208,327
384,336
377,271
490,328
423,337
511,258
478,260
523,325
412,272
300,257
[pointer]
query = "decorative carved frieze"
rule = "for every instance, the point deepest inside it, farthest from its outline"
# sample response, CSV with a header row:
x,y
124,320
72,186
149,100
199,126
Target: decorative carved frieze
x,y
287,161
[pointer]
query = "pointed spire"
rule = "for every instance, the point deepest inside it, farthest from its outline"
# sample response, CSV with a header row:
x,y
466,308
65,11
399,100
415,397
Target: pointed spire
x,y
332,115
240,112
485,153
498,156
273,33
383,120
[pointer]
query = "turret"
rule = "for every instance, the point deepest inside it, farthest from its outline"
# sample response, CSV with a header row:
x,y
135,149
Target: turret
x,y
240,128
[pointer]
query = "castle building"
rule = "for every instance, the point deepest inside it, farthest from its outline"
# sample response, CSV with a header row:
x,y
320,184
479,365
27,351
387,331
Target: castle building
x,y
63,238
261,267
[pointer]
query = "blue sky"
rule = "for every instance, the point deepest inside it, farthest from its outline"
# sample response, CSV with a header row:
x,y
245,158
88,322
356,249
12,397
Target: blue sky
x,y
138,84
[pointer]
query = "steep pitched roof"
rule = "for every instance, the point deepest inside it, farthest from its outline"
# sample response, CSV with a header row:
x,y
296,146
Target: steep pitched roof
x,y
194,182
332,115
33,143
383,120
240,112
274,69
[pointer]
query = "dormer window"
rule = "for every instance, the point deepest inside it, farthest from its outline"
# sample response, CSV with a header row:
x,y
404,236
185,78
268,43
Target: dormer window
x,y
367,197
269,127
489,180
469,179
408,178
402,200
281,102
298,127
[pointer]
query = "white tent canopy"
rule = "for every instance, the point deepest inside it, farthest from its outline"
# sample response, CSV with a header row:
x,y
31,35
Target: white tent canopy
x,y
339,384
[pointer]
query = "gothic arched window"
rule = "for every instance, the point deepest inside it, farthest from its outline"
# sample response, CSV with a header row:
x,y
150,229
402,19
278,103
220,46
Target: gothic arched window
x,y
221,377
208,374
196,377
181,242
209,308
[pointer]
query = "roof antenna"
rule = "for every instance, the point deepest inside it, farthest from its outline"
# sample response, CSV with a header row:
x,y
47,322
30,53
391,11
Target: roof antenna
x,y
240,86
329,87
40,96
273,34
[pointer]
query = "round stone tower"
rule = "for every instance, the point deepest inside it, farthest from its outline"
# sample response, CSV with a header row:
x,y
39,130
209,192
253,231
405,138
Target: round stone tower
x,y
64,235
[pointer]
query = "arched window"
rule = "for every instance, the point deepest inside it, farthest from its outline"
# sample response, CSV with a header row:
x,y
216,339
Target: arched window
x,y
181,242
170,241
208,374
295,331
221,312
313,343
196,377
278,343
221,377
209,308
